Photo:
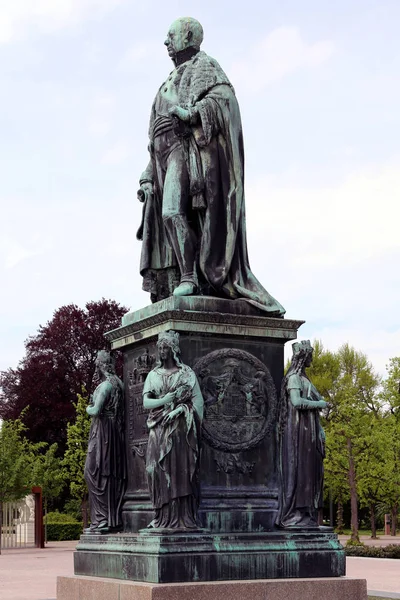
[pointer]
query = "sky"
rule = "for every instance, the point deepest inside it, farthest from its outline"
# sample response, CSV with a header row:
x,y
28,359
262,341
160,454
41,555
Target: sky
x,y
318,84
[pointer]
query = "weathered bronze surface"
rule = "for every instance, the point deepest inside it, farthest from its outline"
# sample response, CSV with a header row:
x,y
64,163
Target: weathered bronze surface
x,y
193,229
105,468
301,445
232,493
172,394
237,353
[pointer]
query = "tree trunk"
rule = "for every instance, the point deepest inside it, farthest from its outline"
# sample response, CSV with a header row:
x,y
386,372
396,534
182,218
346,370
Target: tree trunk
x,y
340,524
393,519
373,520
353,494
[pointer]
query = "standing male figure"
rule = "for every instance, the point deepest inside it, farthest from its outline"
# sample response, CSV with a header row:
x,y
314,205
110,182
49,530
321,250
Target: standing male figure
x,y
193,228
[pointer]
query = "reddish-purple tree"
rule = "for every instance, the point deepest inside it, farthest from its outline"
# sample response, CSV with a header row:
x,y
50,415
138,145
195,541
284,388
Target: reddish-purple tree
x,y
59,361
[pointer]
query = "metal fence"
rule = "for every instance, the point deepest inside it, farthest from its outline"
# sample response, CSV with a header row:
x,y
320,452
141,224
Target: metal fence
x,y
18,523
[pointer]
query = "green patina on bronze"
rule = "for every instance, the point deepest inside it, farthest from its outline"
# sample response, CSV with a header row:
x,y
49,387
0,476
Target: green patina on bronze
x,y
194,262
193,229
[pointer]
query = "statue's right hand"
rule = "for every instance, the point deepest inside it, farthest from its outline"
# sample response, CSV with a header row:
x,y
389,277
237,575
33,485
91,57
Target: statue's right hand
x,y
169,397
322,404
145,190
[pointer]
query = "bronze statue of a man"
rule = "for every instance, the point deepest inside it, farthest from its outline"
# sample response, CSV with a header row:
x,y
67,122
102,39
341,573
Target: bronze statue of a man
x,y
193,227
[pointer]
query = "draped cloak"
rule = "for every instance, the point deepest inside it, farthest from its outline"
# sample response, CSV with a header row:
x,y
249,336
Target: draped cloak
x,y
214,156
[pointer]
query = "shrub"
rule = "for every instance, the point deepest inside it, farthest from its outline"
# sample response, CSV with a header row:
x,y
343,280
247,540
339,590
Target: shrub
x,y
57,517
62,527
391,551
58,532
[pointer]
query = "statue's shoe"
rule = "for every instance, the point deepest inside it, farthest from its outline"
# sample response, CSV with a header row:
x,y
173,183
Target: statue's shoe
x,y
185,289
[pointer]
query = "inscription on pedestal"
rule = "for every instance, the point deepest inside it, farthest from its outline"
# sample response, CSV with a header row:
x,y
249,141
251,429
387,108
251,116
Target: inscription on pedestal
x,y
240,400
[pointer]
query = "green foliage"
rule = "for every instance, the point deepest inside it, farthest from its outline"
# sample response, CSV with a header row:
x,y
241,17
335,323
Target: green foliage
x,y
73,507
348,382
351,543
390,551
75,456
57,517
57,532
15,462
62,527
47,473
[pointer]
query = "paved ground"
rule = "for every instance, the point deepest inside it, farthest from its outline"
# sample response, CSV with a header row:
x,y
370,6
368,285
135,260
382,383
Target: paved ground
x,y
31,574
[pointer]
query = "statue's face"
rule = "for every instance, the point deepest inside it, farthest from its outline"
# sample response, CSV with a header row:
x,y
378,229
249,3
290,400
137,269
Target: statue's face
x,y
308,359
164,351
99,368
177,39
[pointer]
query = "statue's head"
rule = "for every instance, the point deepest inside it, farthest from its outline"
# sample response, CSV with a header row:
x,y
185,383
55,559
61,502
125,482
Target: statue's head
x,y
168,343
183,33
105,362
302,353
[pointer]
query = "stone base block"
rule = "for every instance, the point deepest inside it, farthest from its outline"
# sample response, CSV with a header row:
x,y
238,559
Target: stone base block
x,y
96,588
154,557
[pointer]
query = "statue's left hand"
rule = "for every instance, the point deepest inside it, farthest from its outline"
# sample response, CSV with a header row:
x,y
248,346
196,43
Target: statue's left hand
x,y
174,413
181,113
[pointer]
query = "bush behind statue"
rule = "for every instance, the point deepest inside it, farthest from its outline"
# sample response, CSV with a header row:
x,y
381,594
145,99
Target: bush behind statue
x,y
391,551
61,527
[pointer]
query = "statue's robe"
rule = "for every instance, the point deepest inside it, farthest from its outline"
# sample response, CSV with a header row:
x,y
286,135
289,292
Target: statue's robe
x,y
215,160
172,458
302,451
105,469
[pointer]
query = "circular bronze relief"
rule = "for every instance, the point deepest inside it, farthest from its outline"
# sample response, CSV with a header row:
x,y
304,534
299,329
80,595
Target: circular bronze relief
x,y
239,399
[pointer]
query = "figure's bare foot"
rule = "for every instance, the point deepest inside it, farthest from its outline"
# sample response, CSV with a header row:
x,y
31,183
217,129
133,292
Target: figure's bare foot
x,y
186,288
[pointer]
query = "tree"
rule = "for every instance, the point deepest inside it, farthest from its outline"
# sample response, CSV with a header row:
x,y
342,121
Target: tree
x,y
391,399
350,385
75,455
59,360
15,464
47,473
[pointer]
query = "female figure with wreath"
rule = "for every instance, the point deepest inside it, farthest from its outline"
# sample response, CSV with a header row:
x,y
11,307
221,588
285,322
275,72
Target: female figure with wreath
x,y
172,393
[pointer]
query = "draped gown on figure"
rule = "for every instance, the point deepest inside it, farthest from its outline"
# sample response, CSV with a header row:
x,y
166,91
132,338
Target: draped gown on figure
x,y
173,449
302,450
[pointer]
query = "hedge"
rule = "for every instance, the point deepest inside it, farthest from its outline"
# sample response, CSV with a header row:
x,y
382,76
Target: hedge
x,y
391,551
58,532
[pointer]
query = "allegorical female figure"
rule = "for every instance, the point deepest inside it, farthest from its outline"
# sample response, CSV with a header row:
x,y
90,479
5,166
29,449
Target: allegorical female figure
x,y
172,393
301,444
105,470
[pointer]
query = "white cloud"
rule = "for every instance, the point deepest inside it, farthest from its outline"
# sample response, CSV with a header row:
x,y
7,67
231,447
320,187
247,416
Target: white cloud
x,y
351,222
330,255
17,17
279,54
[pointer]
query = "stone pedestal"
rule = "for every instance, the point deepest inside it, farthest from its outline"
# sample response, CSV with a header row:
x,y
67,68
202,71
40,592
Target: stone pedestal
x,y
96,588
160,557
219,339
237,352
